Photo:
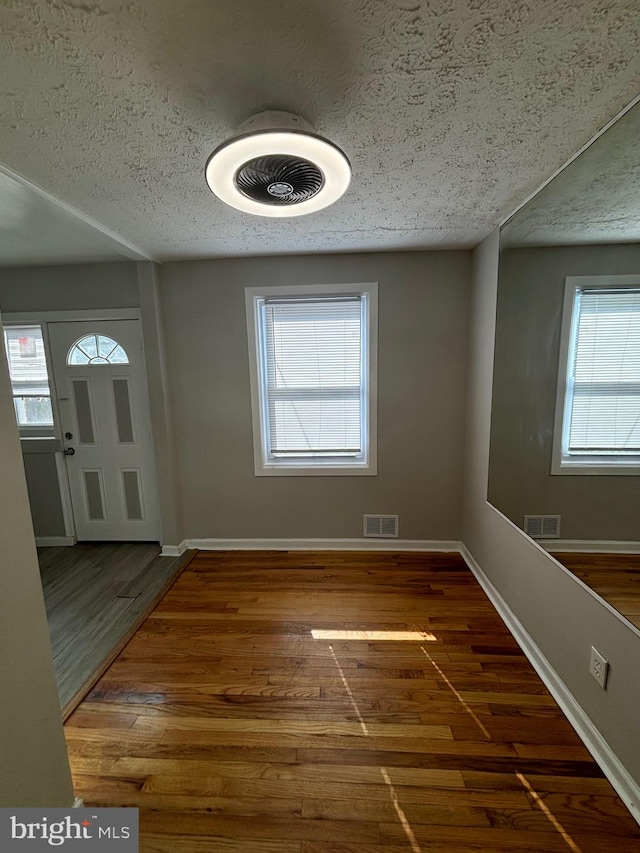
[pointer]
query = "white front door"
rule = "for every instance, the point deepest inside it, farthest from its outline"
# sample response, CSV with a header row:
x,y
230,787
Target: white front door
x,y
102,394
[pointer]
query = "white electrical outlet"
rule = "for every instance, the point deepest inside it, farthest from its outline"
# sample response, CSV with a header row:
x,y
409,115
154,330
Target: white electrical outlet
x,y
599,668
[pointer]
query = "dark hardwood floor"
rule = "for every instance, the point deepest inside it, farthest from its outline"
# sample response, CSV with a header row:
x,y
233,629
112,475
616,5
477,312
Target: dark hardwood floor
x,y
95,595
615,577
337,703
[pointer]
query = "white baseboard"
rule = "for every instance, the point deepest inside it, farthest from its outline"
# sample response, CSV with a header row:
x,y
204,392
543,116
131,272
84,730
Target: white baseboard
x,y
54,541
590,546
373,544
78,803
173,550
626,787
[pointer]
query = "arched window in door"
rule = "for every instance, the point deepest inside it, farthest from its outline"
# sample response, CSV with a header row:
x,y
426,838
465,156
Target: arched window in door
x,y
96,349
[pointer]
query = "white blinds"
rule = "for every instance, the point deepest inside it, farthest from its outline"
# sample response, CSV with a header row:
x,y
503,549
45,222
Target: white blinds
x,y
313,369
605,412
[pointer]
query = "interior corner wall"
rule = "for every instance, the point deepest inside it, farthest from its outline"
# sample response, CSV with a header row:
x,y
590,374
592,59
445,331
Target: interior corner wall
x,y
160,404
423,301
529,314
562,617
33,757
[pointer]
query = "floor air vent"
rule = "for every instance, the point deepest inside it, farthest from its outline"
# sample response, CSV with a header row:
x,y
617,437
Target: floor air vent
x,y
542,526
381,525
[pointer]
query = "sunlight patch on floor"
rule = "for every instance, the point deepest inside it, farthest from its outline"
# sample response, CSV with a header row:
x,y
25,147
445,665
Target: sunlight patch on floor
x,y
400,636
549,814
352,698
411,838
464,704
404,822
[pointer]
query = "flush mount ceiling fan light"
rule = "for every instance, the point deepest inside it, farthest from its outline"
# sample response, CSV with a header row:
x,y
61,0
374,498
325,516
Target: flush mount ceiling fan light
x,y
277,166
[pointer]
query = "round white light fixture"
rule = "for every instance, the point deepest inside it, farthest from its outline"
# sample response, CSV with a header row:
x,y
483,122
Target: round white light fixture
x,y
277,166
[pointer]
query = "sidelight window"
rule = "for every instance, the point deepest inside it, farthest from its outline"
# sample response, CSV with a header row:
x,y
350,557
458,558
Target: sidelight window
x,y
29,379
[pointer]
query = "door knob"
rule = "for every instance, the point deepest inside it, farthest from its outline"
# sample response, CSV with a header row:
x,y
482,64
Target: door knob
x,y
70,451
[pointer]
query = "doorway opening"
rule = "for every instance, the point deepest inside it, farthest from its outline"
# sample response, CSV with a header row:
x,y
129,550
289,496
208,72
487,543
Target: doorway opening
x,y
81,400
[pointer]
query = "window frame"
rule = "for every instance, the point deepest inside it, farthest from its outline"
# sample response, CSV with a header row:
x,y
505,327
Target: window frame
x,y
27,431
327,467
561,462
96,361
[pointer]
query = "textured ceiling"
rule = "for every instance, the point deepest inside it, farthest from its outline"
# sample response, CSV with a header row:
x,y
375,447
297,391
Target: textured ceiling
x,y
451,111
595,199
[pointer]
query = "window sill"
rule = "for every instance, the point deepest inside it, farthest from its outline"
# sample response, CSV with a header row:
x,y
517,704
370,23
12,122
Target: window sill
x,y
581,467
280,470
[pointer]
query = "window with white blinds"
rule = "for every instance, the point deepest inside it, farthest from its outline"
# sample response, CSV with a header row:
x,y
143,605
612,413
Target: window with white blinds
x,y
313,370
601,422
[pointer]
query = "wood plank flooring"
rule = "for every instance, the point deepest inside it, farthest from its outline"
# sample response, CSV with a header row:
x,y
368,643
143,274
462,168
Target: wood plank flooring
x,y
95,594
615,577
413,723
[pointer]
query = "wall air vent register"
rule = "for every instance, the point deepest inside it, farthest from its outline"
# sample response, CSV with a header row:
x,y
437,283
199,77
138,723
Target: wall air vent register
x,y
381,525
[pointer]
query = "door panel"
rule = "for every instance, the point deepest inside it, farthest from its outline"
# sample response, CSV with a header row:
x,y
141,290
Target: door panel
x,y
84,411
94,494
132,494
103,402
124,415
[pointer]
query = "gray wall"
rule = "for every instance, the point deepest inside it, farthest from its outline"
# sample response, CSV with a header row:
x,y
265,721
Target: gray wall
x,y
61,288
44,493
160,404
69,287
561,616
34,769
421,393
530,299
